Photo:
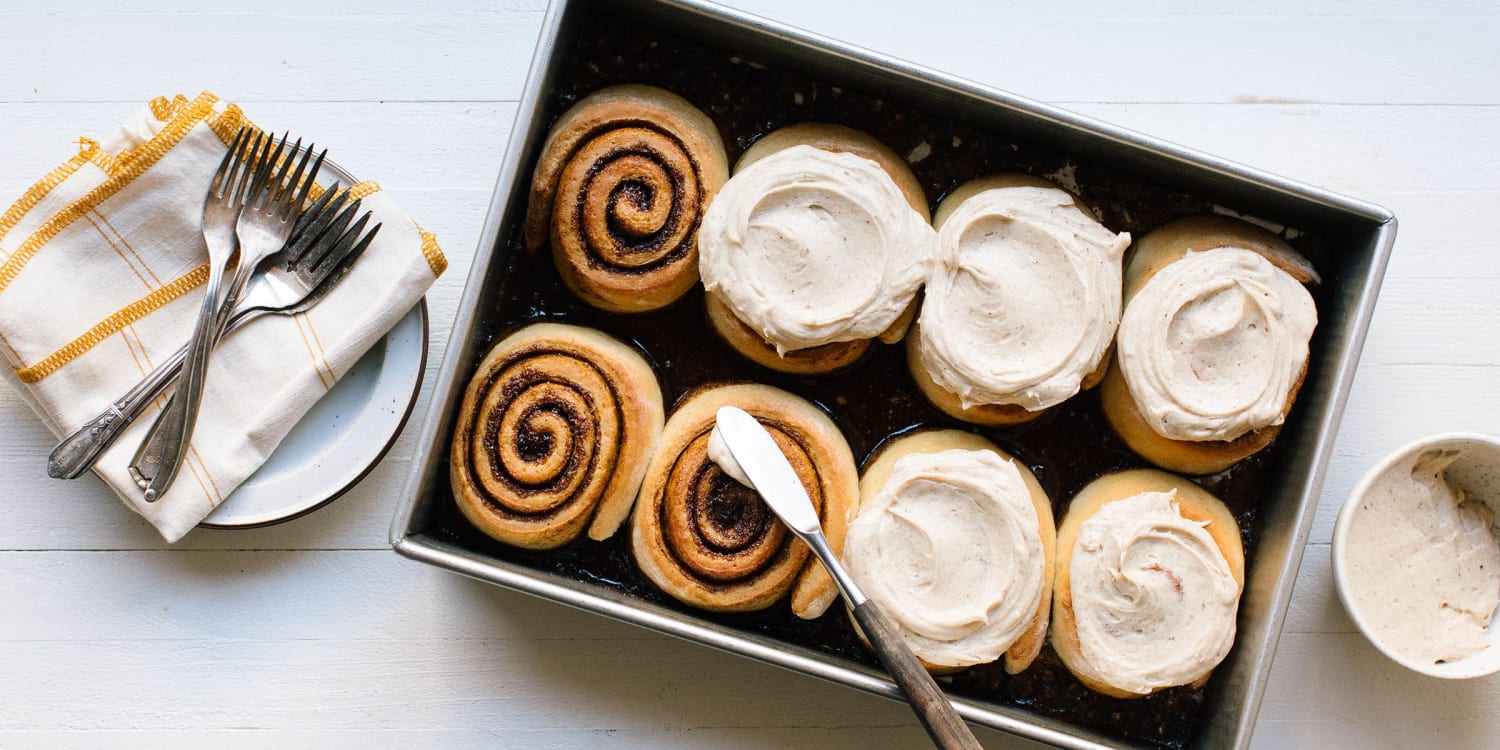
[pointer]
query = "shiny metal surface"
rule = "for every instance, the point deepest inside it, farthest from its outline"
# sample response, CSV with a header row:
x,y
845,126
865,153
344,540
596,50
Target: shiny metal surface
x,y
766,466
1361,235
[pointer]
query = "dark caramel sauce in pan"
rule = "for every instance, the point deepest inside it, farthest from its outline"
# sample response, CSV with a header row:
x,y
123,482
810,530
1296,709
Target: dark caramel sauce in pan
x,y
876,398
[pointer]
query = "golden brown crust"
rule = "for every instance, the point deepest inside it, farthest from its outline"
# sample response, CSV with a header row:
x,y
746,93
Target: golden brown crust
x,y
1194,502
553,434
712,543
1151,253
877,471
1171,241
989,415
817,360
620,187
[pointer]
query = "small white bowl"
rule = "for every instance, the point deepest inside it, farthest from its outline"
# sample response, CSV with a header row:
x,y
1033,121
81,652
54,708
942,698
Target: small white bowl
x,y
1477,472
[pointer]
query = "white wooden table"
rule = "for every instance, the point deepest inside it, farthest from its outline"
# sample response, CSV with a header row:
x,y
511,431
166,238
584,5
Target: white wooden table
x,y
314,633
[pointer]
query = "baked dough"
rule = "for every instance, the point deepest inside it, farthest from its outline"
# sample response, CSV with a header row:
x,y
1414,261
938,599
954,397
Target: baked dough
x,y
1169,574
553,435
796,170
946,605
1150,256
711,542
620,190
1021,308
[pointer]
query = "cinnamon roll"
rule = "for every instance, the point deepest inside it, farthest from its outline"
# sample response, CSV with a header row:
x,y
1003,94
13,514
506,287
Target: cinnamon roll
x,y
711,542
816,246
954,540
1021,308
620,189
553,434
1213,343
1149,574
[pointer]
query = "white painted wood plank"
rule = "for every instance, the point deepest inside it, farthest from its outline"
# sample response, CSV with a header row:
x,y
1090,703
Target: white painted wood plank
x,y
414,56
244,596
1340,676
1365,151
1316,607
402,145
1087,51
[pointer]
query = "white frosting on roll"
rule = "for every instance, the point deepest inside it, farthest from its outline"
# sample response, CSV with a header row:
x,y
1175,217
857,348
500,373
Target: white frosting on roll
x,y
810,247
1024,300
950,550
1212,345
1153,597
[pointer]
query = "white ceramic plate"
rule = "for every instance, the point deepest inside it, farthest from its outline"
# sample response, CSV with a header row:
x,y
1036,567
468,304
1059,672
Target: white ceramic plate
x,y
343,436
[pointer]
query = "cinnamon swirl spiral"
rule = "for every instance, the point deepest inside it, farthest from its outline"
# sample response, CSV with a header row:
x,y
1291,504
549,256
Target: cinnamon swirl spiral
x,y
712,543
623,180
553,435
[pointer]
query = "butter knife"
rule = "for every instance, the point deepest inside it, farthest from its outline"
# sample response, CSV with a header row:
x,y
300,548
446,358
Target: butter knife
x,y
745,451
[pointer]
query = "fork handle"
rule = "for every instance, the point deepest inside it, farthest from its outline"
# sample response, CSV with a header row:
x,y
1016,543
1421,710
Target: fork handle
x,y
78,452
159,459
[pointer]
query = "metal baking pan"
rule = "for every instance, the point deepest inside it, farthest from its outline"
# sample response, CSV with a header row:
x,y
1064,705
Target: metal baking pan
x,y
1358,239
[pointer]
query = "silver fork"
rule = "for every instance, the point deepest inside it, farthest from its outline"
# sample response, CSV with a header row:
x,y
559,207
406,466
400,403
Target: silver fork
x,y
266,218
323,249
294,189
221,211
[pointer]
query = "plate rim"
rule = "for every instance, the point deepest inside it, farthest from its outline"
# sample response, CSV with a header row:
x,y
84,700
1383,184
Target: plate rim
x,y
411,403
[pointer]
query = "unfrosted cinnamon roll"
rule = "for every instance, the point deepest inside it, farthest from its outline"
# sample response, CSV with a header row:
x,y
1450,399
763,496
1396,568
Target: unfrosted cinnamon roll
x,y
553,434
1021,307
711,542
1213,343
954,540
816,246
1149,573
621,186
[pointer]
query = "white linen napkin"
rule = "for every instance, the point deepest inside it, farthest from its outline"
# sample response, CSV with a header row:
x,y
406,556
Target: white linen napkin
x,y
102,268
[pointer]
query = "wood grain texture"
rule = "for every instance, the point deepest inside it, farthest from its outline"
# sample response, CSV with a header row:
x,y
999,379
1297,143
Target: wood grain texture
x,y
313,634
947,730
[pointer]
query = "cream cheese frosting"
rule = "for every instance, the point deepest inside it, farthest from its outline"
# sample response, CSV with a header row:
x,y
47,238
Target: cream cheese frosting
x,y
810,247
718,452
950,549
1024,299
1213,344
1153,597
1424,562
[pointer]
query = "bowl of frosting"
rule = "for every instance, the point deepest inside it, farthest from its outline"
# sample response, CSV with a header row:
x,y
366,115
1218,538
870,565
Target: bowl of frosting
x,y
1416,555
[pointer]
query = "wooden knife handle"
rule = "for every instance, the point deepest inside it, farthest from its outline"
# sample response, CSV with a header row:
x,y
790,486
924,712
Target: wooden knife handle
x,y
943,723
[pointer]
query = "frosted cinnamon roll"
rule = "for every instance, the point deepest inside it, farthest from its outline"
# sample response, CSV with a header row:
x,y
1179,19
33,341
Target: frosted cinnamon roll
x,y
1213,343
1149,574
622,183
954,540
711,542
553,434
816,246
1021,307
